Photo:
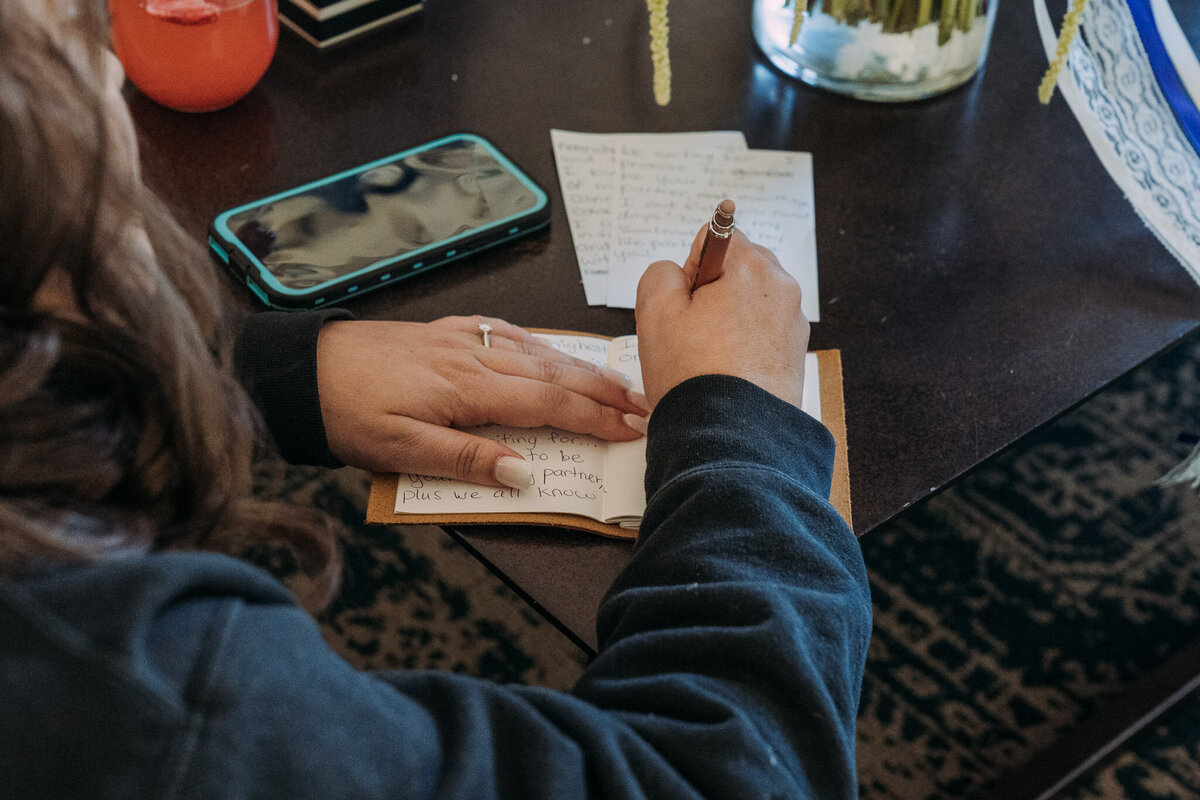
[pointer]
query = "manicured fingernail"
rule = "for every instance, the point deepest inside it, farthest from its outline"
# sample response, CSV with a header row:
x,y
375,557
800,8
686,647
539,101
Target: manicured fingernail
x,y
639,400
514,472
636,422
617,375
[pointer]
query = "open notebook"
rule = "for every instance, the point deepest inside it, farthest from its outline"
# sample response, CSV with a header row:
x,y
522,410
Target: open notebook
x,y
582,482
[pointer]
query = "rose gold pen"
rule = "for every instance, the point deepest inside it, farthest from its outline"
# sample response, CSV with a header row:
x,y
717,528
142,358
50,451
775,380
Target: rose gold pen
x,y
716,242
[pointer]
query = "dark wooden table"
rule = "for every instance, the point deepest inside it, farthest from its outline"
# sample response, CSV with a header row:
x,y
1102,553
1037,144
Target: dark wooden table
x,y
979,270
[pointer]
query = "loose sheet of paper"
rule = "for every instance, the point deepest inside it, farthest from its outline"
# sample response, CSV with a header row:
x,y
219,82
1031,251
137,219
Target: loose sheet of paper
x,y
587,175
665,196
632,199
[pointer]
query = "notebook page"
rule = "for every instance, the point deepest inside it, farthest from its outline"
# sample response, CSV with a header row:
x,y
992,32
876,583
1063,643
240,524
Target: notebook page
x,y
574,473
810,402
625,466
568,478
568,467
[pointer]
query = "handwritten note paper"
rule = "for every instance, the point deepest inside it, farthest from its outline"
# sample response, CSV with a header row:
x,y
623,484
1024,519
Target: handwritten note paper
x,y
662,199
633,199
573,473
568,479
587,173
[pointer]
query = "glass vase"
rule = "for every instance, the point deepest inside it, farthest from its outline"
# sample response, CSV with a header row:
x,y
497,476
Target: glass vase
x,y
884,50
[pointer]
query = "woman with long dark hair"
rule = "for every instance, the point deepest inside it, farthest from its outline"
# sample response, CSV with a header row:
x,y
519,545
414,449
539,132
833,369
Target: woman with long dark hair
x,y
137,661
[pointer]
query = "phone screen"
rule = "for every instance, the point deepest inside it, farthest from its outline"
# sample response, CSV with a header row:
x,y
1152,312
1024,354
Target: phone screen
x,y
383,212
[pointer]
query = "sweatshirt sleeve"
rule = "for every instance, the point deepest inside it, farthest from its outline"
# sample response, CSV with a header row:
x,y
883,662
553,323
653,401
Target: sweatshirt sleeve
x,y
745,614
730,664
276,358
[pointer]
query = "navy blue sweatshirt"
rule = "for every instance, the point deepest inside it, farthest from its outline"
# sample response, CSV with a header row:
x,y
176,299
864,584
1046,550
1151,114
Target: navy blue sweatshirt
x,y
731,654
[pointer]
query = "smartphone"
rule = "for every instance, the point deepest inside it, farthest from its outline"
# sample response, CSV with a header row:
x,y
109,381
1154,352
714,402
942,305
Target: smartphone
x,y
342,236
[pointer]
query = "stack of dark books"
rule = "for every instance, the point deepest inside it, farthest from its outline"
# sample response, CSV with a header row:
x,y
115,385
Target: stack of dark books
x,y
327,22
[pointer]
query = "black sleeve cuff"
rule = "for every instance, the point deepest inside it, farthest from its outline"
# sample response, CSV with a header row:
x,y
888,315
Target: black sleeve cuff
x,y
276,357
711,419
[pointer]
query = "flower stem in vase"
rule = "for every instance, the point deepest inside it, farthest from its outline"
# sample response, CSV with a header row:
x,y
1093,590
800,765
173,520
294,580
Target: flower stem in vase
x,y
966,15
946,21
923,12
893,21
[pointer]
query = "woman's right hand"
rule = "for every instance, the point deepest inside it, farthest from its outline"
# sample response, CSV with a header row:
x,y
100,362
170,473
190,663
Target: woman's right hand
x,y
747,323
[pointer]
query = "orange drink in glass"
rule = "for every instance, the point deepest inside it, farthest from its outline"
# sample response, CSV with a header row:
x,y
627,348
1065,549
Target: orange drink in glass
x,y
194,55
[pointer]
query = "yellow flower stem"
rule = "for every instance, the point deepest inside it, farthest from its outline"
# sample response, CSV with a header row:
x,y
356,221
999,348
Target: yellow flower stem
x,y
923,12
1066,35
946,21
659,53
797,21
966,15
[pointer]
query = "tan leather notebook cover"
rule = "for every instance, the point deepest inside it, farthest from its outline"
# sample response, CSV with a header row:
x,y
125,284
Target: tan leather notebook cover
x,y
382,501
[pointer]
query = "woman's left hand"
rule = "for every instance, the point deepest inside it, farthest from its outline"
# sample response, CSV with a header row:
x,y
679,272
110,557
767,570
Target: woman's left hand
x,y
392,394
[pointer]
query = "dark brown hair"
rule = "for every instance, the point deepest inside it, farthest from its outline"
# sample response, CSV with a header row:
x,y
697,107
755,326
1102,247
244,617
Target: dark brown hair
x,y
122,427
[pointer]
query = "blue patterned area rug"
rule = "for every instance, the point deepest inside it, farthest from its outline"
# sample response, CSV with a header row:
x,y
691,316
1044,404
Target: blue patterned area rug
x,y
411,598
1007,607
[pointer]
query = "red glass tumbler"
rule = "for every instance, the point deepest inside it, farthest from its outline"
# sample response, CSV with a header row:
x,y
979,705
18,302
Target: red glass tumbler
x,y
194,55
